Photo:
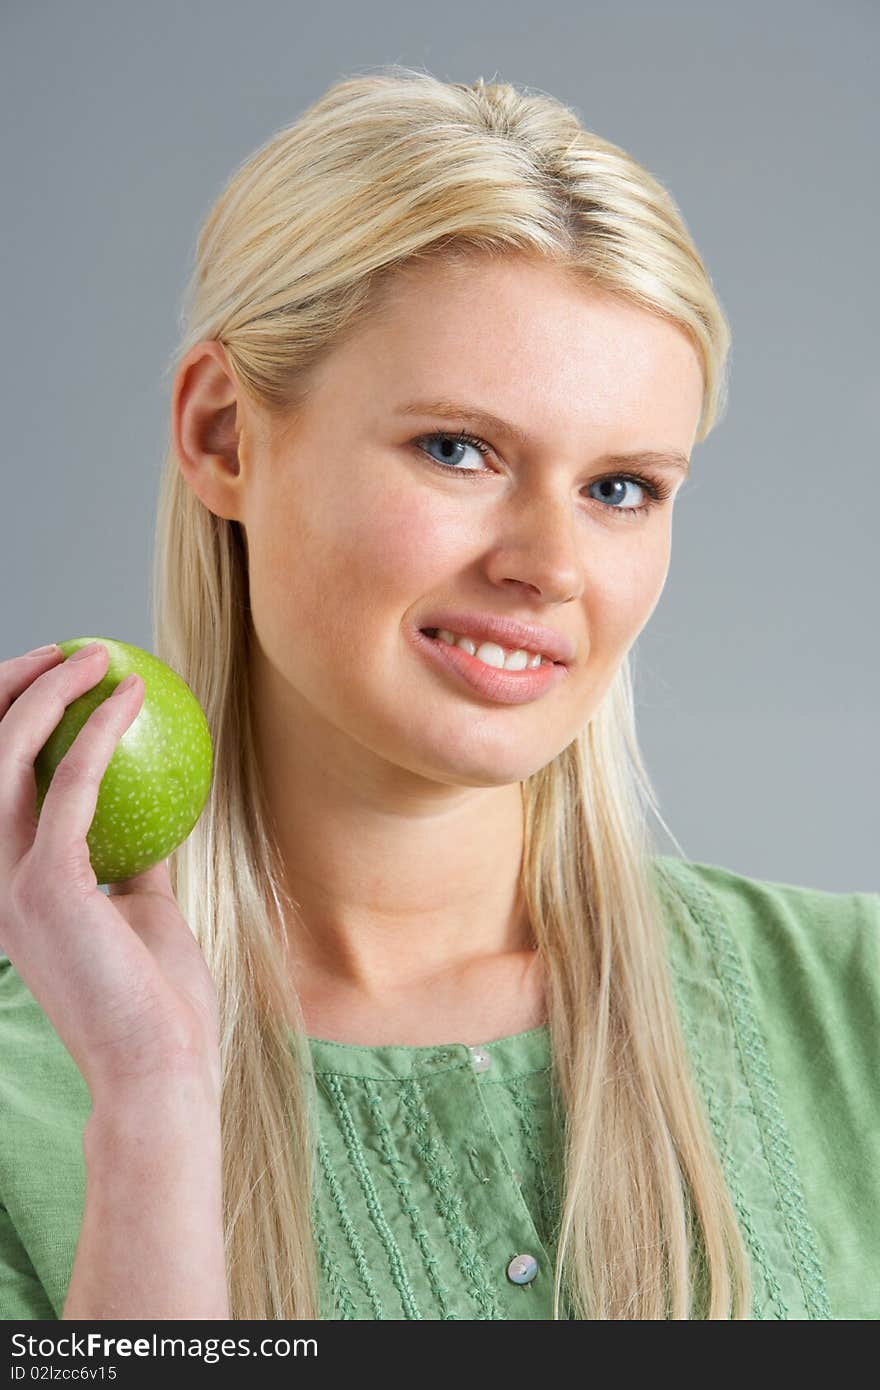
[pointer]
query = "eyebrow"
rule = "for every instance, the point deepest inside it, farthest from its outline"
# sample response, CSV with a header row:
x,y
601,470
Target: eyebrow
x,y
484,419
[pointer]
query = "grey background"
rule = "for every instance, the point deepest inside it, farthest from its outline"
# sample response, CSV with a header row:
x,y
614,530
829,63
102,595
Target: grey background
x,y
757,676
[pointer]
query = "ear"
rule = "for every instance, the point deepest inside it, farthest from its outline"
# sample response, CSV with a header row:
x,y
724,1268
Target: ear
x,y
207,427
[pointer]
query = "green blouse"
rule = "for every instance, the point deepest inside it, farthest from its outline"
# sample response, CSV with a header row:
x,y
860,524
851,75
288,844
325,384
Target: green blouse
x,y
440,1166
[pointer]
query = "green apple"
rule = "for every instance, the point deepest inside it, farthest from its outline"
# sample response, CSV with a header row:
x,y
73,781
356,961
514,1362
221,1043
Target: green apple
x,y
157,781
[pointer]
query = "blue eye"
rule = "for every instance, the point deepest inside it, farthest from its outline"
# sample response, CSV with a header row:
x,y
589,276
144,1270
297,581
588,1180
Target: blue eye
x,y
460,440
657,491
625,480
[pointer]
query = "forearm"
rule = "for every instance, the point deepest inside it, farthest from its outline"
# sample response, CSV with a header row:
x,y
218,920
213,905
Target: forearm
x,y
151,1243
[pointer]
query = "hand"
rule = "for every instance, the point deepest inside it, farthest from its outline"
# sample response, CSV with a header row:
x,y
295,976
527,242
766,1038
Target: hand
x,y
122,979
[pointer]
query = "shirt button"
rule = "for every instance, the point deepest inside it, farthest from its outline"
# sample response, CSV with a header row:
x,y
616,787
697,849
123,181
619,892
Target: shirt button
x,y
480,1059
522,1269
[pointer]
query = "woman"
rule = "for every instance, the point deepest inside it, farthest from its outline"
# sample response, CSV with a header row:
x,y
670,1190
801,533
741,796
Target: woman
x,y
465,1045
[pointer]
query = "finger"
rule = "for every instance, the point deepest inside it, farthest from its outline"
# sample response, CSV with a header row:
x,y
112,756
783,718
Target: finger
x,y
21,671
35,690
69,805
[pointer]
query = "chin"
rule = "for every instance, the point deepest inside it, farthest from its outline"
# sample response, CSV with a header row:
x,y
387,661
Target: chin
x,y
469,766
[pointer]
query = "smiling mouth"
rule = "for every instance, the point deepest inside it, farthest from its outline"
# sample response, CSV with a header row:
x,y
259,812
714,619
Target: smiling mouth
x,y
433,631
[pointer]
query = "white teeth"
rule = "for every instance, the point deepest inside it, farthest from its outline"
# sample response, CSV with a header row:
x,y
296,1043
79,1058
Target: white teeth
x,y
491,654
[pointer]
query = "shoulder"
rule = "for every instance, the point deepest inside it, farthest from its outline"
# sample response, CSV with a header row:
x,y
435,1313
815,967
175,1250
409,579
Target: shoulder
x,y
44,1104
35,1066
39,1080
808,952
799,968
41,1087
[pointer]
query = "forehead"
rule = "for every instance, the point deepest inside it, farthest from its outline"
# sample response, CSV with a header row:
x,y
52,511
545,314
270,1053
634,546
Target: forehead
x,y
528,340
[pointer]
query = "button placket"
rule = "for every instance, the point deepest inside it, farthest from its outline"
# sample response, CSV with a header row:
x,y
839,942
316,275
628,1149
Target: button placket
x,y
473,1116
522,1269
481,1061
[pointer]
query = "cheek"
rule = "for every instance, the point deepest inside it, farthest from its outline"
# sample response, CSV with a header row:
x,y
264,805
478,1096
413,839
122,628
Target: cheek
x,y
342,557
393,546
390,553
622,593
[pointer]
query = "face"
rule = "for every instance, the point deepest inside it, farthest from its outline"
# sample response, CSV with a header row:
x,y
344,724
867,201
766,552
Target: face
x,y
363,521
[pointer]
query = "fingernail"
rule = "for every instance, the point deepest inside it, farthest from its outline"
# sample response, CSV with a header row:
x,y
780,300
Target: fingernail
x,y
53,649
86,651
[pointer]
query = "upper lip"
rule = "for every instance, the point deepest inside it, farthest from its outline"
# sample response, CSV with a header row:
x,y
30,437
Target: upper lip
x,y
507,632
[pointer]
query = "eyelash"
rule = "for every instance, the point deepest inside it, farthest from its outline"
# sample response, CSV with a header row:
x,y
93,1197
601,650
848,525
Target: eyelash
x,y
657,491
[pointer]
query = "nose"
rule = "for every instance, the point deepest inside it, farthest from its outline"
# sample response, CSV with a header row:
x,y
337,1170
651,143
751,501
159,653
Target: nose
x,y
537,545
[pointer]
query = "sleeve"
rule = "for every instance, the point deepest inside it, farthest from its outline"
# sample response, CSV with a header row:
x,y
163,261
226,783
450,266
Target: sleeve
x,y
813,963
22,1296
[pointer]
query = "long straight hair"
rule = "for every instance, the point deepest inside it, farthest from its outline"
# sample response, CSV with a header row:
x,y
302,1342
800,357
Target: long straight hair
x,y
383,171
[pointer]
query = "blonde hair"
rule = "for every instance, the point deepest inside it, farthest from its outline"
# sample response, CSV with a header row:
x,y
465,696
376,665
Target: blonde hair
x,y
384,170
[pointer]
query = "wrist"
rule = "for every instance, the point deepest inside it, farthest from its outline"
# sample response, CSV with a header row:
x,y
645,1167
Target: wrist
x,y
175,1108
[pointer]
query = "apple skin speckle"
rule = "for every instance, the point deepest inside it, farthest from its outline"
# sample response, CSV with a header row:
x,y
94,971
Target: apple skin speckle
x,y
159,777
